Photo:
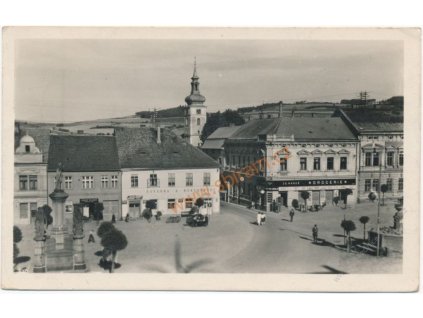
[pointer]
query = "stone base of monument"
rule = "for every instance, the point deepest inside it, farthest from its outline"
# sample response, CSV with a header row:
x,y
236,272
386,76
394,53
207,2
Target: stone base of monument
x,y
59,257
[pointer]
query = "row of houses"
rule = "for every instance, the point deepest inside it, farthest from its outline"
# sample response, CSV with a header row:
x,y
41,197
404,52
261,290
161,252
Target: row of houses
x,y
122,172
273,160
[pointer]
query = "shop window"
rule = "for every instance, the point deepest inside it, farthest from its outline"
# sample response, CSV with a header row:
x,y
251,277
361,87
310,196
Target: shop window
x,y
171,203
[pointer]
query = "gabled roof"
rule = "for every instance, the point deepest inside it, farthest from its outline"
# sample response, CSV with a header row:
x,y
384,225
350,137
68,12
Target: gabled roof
x,y
138,149
300,128
83,153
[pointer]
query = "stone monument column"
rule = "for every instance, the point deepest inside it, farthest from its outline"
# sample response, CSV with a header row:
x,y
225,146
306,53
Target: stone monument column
x,y
39,261
78,235
59,229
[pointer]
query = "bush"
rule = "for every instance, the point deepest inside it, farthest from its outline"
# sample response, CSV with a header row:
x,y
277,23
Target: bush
x,y
372,196
104,228
199,202
48,219
17,234
295,204
147,214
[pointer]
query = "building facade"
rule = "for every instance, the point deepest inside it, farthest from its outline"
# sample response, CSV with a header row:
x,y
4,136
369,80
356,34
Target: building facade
x,y
91,172
30,182
381,156
275,160
161,167
196,111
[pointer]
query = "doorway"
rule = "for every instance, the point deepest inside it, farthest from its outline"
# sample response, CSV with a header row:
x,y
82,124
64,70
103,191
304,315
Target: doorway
x,y
283,198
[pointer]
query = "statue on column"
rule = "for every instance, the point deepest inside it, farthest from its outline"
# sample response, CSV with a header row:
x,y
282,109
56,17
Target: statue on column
x,y
59,176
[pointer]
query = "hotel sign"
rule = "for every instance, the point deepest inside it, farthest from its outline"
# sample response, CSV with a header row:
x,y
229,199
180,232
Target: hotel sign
x,y
310,183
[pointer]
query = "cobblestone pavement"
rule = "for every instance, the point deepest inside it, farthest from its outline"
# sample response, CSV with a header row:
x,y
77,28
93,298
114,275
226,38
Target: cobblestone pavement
x,y
233,243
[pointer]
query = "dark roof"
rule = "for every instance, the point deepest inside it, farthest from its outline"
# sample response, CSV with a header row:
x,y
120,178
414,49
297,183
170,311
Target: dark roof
x,y
83,153
138,148
213,144
300,128
223,132
379,127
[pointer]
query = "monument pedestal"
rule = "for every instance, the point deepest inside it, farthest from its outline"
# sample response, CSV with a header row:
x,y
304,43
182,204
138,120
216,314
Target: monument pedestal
x,y
78,254
39,262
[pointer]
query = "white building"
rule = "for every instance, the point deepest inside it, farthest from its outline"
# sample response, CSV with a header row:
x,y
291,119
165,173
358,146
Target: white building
x,y
160,166
30,186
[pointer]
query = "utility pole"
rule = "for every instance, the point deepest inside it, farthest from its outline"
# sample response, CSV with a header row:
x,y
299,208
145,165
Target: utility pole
x,y
364,96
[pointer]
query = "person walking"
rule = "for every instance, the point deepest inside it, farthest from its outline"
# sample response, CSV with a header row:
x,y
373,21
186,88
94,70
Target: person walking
x,y
113,218
291,214
91,237
315,233
258,218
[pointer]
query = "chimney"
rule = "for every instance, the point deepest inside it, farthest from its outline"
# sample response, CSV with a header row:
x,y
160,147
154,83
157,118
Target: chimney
x,y
280,109
159,139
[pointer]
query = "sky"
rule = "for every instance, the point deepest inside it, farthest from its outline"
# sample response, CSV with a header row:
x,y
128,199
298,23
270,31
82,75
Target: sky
x,y
75,80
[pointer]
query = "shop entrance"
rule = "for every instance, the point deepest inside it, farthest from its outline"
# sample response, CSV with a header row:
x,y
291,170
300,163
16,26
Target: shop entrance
x,y
315,197
134,209
329,196
283,199
89,206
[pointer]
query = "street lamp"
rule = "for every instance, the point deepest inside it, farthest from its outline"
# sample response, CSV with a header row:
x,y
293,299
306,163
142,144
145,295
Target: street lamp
x,y
262,197
378,201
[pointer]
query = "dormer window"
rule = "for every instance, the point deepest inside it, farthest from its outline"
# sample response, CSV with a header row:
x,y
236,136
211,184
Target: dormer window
x,y
27,148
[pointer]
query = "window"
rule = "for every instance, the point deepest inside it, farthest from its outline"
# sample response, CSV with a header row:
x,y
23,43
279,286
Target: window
x,y
376,184
104,181
171,203
208,203
27,148
330,163
134,181
171,179
401,159
23,182
303,163
198,111
68,182
189,180
368,160
153,182
23,210
367,185
375,159
390,158
198,121
33,208
389,184
343,164
114,181
188,203
87,182
206,178
284,164
316,164
400,184
33,182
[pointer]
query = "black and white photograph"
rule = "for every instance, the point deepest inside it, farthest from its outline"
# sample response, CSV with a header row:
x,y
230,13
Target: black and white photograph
x,y
188,154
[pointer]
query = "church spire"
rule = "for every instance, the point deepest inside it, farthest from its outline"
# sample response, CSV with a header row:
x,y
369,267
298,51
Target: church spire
x,y
195,97
194,75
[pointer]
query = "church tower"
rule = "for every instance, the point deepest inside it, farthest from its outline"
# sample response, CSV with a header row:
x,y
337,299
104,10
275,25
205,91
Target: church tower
x,y
196,111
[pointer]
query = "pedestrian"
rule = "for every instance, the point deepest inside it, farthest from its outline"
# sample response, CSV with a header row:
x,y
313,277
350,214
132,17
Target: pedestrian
x,y
263,218
127,218
91,237
259,218
113,218
291,214
315,233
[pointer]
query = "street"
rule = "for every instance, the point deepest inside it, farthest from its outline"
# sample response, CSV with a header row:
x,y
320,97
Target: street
x,y
233,243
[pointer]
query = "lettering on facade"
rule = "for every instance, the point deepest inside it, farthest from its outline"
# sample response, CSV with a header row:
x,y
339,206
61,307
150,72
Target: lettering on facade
x,y
302,183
